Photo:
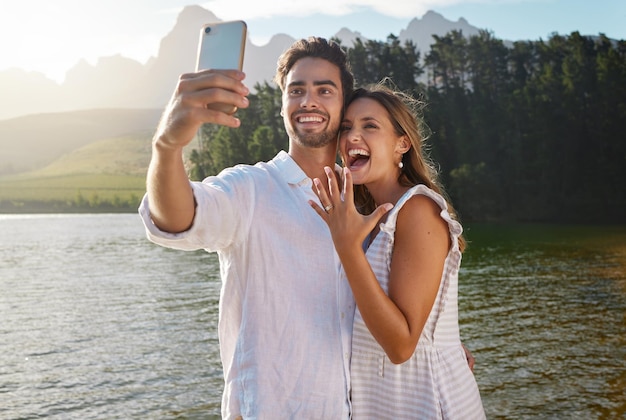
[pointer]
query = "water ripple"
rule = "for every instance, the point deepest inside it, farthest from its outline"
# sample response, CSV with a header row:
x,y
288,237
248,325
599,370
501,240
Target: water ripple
x,y
98,323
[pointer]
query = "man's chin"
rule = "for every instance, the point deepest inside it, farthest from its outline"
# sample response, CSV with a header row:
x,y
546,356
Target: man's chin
x,y
317,140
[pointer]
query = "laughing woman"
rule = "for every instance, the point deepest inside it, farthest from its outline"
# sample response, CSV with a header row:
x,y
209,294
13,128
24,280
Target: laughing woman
x,y
407,357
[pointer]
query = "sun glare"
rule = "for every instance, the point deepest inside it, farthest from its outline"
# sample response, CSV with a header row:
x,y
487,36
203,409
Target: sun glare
x,y
51,37
35,40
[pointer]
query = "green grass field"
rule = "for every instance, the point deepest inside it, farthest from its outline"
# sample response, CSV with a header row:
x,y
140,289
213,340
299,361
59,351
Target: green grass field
x,y
68,187
105,175
72,193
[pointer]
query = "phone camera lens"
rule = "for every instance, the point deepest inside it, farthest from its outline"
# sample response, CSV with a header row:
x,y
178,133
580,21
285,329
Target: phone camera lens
x,y
207,29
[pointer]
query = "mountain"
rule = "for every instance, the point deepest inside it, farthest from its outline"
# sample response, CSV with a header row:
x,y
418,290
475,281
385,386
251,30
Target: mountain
x,y
29,93
120,82
421,31
46,122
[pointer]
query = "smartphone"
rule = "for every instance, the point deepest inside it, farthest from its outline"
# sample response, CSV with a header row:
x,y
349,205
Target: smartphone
x,y
222,46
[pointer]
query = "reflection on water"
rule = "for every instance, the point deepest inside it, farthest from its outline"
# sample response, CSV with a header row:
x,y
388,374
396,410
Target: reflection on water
x,y
96,322
543,310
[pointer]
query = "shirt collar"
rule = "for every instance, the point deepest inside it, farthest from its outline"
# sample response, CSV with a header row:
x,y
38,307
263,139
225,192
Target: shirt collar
x,y
289,169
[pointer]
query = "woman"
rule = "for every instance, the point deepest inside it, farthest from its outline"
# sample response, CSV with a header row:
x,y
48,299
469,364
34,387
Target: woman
x,y
407,357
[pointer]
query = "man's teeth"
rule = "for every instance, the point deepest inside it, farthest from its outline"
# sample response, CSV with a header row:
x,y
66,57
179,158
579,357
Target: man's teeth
x,y
310,119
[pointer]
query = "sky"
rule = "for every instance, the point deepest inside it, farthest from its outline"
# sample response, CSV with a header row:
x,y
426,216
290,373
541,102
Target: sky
x,y
51,36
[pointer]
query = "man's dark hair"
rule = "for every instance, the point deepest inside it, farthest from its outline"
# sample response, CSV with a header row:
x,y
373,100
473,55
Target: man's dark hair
x,y
317,48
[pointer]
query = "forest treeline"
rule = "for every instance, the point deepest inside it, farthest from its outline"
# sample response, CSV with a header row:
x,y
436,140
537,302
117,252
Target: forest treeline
x,y
78,204
529,132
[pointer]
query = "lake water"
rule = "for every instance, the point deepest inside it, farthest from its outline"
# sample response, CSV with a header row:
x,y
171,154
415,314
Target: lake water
x,y
98,323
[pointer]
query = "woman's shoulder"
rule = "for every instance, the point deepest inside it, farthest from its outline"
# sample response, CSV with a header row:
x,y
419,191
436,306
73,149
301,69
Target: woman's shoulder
x,y
427,206
420,209
419,199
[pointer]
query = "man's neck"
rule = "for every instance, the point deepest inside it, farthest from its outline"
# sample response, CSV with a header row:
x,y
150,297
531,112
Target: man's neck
x,y
313,160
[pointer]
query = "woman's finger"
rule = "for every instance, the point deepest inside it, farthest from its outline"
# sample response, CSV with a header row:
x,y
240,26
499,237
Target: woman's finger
x,y
332,183
347,188
319,210
321,192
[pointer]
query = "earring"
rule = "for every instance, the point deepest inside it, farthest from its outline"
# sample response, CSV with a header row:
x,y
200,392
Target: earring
x,y
400,165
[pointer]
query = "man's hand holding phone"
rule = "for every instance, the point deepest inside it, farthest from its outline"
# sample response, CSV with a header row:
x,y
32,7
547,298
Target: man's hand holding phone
x,y
222,46
214,92
193,104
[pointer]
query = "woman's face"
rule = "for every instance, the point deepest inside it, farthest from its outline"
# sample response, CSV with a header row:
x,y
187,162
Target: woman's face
x,y
368,143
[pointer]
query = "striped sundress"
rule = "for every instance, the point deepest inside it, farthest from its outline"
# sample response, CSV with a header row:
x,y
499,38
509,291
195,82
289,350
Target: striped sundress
x,y
436,382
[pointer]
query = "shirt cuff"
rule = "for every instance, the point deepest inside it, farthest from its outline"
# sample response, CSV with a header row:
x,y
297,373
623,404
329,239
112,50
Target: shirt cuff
x,y
159,236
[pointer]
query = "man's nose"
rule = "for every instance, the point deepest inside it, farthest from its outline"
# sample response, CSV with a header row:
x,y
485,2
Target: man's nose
x,y
309,100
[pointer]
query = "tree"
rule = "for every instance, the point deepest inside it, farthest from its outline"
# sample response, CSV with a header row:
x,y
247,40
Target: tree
x,y
374,61
533,132
448,108
259,137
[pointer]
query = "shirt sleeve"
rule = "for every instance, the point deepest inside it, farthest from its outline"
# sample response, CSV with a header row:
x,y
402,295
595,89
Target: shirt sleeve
x,y
223,212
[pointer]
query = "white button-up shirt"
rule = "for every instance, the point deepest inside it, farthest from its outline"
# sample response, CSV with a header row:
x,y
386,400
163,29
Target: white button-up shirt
x,y
285,322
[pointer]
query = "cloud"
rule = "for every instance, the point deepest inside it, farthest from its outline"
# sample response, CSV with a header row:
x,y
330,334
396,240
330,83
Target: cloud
x,y
255,9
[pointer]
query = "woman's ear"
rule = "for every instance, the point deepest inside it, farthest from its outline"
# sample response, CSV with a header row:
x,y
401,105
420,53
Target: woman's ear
x,y
403,145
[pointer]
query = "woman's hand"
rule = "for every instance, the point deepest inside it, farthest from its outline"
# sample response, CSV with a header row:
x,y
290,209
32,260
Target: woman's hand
x,y
347,226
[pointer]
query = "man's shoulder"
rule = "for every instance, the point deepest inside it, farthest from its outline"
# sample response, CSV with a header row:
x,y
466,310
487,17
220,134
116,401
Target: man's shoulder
x,y
282,166
282,169
248,172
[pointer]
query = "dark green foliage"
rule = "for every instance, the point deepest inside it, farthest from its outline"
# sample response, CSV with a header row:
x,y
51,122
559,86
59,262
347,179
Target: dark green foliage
x,y
260,136
531,132
80,204
374,61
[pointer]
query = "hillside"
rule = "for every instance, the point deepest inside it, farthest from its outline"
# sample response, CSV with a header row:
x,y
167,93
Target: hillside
x,y
32,142
128,155
110,169
106,175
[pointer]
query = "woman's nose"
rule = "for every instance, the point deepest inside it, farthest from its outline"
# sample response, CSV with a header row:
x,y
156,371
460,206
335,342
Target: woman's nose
x,y
353,135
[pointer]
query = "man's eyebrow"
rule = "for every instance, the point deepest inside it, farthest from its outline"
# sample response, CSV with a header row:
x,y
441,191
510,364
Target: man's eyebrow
x,y
324,82
315,83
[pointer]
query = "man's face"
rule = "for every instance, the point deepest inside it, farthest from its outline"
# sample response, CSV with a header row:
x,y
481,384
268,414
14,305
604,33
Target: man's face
x,y
312,102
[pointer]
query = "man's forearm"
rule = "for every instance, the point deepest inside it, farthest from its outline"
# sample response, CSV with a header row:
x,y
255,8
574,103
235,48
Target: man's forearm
x,y
170,196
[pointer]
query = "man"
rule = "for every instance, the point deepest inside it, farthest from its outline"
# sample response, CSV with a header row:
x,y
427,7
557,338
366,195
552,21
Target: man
x,y
285,318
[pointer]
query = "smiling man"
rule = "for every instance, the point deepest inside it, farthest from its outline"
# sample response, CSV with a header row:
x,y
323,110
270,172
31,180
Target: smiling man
x,y
285,318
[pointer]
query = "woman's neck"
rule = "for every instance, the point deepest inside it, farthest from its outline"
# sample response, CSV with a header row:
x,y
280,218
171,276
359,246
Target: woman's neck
x,y
386,193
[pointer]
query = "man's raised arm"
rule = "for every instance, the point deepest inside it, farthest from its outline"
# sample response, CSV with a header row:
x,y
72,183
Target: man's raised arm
x,y
170,197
